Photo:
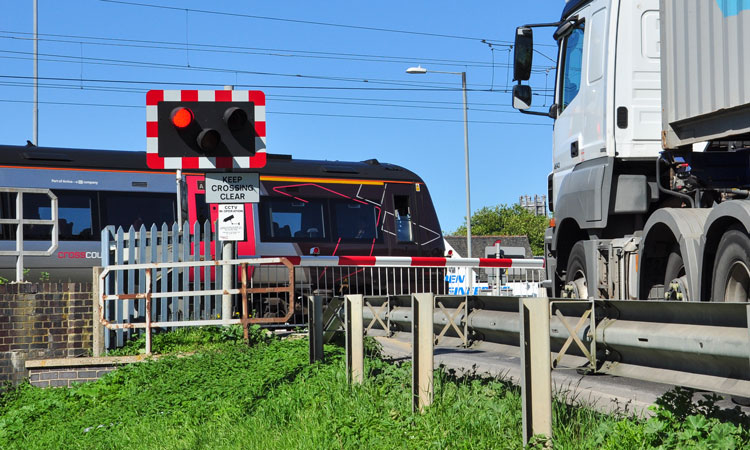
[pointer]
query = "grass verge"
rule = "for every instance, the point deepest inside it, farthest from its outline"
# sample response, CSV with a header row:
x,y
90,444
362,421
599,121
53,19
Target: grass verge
x,y
228,395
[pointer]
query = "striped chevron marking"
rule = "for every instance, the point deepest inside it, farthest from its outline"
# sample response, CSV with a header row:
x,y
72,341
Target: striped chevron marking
x,y
413,261
153,97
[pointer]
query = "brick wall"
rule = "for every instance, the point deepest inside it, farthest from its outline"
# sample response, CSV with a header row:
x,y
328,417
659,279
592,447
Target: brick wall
x,y
44,320
67,376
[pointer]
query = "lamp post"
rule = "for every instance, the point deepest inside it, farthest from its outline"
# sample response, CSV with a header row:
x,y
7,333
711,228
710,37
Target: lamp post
x,y
422,70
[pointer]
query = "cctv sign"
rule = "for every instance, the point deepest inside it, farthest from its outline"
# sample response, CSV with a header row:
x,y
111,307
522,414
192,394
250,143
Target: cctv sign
x,y
232,188
231,222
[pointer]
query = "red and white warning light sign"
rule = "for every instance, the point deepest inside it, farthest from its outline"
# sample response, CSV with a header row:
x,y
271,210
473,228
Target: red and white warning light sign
x,y
192,129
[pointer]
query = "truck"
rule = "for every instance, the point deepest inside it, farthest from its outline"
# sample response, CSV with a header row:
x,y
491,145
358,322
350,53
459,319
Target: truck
x,y
650,185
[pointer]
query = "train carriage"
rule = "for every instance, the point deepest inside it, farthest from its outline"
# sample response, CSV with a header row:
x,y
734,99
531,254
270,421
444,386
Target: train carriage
x,y
306,206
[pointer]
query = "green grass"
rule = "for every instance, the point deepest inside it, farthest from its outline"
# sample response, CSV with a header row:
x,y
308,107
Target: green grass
x,y
227,395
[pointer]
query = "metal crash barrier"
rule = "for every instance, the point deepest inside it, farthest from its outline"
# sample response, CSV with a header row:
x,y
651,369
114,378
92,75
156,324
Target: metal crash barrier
x,y
704,346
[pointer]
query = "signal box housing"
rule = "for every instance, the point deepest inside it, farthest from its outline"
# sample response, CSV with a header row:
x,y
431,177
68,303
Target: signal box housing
x,y
205,129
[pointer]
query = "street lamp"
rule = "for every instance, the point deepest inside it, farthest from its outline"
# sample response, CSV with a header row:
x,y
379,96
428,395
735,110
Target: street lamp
x,y
421,70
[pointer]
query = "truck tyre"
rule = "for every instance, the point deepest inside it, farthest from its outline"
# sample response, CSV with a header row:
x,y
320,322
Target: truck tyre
x,y
675,272
576,285
731,277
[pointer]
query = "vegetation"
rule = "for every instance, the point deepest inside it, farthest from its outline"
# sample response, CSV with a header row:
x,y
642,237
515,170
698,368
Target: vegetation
x,y
509,221
229,395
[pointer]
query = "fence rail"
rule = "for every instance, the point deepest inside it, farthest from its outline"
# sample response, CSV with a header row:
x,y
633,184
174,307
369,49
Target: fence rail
x,y
191,290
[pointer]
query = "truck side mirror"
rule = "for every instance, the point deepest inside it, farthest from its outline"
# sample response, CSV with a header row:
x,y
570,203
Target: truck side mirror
x,y
521,96
523,53
553,111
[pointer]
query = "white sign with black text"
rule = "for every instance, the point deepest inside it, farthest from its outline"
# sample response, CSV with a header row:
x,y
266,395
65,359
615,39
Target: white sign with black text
x,y
232,188
231,222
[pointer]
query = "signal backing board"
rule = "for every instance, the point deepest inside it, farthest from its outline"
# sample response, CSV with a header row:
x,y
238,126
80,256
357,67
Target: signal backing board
x,y
171,157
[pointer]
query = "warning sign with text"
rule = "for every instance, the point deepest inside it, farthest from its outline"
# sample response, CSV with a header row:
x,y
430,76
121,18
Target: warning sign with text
x,y
231,222
232,188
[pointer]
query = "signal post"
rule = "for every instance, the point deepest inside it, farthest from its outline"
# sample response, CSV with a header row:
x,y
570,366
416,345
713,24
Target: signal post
x,y
222,133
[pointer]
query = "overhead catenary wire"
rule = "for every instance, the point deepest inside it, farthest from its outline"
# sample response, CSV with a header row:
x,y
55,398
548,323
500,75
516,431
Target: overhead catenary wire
x,y
306,22
74,59
233,49
256,86
297,113
268,95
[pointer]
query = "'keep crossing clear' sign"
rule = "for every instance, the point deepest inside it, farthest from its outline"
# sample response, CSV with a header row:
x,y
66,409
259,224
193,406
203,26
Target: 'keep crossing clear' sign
x,y
232,188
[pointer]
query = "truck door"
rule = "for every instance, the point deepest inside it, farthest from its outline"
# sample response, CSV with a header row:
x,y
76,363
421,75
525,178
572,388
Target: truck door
x,y
638,81
570,100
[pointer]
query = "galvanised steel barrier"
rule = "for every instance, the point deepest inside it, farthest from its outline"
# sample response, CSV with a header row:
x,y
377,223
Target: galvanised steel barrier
x,y
695,344
699,345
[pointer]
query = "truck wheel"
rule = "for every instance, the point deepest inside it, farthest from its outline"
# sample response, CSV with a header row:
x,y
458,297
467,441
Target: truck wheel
x,y
576,285
675,280
731,277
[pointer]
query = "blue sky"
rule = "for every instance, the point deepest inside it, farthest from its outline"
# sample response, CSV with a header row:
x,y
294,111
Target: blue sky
x,y
333,73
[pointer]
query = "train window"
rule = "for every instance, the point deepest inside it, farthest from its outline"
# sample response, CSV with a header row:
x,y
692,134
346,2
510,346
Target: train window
x,y
123,209
35,206
356,221
74,214
202,212
403,218
288,220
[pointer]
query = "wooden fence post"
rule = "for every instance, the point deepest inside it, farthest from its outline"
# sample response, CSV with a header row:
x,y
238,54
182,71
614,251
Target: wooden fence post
x,y
98,329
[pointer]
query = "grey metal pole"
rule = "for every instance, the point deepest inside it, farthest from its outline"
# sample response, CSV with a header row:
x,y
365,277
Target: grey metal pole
x,y
466,157
19,237
35,126
226,271
178,180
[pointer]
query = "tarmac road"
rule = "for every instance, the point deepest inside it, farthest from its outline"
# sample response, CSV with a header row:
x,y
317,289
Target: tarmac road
x,y
605,393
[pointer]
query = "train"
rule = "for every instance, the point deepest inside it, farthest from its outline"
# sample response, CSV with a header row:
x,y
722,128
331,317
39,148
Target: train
x,y
327,207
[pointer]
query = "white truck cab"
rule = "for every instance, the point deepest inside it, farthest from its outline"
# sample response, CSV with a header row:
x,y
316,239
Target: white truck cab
x,y
636,209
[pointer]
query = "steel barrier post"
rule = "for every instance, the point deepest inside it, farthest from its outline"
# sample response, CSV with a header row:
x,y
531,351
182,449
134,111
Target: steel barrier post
x,y
422,350
536,372
315,326
98,329
355,363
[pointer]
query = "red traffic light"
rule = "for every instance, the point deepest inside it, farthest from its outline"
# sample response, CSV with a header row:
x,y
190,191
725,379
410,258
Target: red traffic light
x,y
181,117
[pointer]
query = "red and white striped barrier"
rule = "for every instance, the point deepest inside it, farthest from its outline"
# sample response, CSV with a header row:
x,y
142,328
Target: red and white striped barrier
x,y
414,261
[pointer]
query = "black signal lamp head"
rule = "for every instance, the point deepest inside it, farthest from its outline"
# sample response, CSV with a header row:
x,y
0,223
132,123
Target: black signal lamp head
x,y
235,118
208,140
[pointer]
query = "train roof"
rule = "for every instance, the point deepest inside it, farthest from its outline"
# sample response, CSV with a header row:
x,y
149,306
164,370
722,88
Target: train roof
x,y
12,155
